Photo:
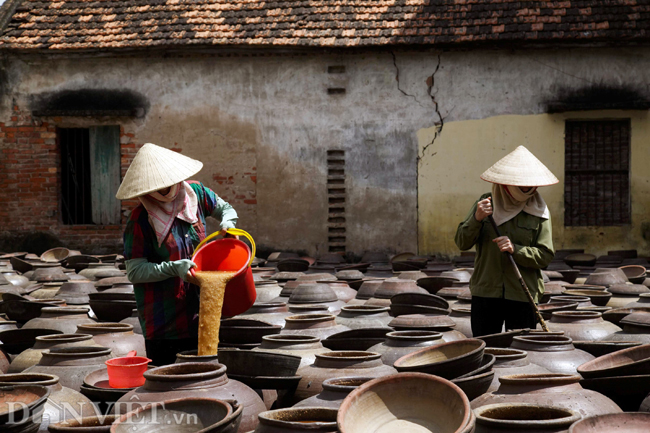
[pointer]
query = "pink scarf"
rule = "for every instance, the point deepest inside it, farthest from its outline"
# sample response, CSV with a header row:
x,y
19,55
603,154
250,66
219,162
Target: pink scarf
x,y
180,202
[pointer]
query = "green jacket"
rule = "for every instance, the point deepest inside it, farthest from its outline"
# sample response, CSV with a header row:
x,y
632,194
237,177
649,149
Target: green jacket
x,y
493,275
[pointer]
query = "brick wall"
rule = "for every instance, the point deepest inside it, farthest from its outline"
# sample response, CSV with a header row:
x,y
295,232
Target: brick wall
x,y
30,185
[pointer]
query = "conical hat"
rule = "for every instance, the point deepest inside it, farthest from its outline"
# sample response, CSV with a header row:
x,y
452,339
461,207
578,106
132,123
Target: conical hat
x,y
155,168
520,168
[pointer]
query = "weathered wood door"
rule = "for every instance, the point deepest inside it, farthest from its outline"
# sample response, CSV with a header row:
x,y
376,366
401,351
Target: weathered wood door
x,y
105,173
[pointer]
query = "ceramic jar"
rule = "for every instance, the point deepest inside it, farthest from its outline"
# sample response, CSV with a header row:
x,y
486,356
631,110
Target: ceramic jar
x,y
298,420
96,268
625,294
267,290
339,364
119,337
636,328
523,418
462,316
316,293
62,403
400,343
64,319
368,289
549,389
511,361
193,379
555,353
334,392
315,325
644,301
581,325
304,346
343,291
71,364
30,357
393,286
363,316
271,312
418,322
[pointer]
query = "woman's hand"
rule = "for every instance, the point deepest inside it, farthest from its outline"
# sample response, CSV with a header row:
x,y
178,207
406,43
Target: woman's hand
x,y
504,244
224,233
191,279
483,209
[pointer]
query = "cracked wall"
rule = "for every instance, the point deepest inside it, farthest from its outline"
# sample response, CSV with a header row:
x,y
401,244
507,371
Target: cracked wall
x,y
493,102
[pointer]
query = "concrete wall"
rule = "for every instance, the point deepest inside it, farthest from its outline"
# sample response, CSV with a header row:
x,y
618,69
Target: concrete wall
x,y
262,126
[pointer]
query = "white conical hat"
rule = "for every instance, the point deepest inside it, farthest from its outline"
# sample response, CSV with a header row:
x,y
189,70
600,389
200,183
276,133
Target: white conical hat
x,y
155,168
520,168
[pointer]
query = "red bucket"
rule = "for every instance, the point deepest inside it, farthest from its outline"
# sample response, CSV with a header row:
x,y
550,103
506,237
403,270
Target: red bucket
x,y
127,371
235,256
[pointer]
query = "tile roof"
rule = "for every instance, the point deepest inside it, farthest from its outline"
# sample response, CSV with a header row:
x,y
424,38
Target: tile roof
x,y
119,24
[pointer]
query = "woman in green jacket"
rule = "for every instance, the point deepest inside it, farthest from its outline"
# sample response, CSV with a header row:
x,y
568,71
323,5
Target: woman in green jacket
x,y
525,224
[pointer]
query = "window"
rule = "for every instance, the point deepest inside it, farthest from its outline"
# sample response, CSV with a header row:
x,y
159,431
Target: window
x,y
90,174
597,181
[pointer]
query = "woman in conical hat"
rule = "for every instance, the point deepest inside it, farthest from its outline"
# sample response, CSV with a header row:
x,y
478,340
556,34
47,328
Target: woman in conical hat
x,y
160,237
525,223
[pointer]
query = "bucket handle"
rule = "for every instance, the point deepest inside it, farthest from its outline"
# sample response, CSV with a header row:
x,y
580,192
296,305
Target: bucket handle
x,y
234,232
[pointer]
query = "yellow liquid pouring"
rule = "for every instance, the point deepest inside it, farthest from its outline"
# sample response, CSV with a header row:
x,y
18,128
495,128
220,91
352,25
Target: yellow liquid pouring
x,y
213,287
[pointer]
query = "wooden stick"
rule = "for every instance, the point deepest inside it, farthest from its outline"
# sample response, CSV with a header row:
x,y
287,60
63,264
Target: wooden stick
x,y
531,301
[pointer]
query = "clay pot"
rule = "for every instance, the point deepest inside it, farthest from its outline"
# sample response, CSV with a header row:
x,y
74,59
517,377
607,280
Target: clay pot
x,y
119,337
607,277
626,362
626,391
182,415
400,343
448,360
88,424
555,353
562,390
62,403
32,356
636,327
644,301
418,322
134,321
64,319
339,364
433,284
93,269
511,361
636,274
315,325
406,402
316,293
15,279
625,294
273,312
267,290
356,339
419,300
304,346
620,423
582,325
334,392
462,316
245,331
349,275
393,286
76,292
363,316
23,407
583,301
191,356
368,289
463,277
71,364
282,277
299,309
107,283
302,420
411,275
599,298
194,380
548,309
523,417
49,274
342,290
